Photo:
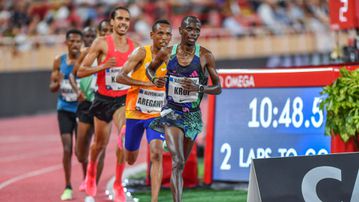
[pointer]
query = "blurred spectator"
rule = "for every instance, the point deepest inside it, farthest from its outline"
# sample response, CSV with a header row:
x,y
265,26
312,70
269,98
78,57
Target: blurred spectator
x,y
220,18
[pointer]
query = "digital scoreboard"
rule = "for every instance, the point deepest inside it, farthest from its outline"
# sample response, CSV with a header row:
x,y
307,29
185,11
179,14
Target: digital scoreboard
x,y
264,113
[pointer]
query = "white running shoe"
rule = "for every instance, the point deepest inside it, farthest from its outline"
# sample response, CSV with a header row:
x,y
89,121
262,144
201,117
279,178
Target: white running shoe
x,y
89,199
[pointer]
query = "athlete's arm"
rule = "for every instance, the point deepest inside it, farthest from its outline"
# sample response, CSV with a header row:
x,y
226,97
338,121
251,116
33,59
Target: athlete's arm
x,y
134,61
72,78
96,49
208,62
210,65
55,78
161,57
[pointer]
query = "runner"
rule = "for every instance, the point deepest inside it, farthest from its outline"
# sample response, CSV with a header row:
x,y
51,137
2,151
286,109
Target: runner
x,y
66,101
144,102
188,65
113,51
86,94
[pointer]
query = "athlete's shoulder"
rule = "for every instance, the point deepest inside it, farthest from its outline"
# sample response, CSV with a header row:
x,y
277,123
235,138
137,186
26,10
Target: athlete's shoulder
x,y
99,40
139,51
204,51
58,57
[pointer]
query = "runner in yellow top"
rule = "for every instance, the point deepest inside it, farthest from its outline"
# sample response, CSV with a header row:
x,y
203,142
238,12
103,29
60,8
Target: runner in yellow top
x,y
144,102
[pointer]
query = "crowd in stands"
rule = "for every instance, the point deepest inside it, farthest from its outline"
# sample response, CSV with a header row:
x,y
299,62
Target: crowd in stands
x,y
24,19
237,17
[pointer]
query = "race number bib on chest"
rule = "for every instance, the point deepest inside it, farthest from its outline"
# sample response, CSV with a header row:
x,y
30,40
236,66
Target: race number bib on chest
x,y
66,91
111,83
179,94
93,85
150,101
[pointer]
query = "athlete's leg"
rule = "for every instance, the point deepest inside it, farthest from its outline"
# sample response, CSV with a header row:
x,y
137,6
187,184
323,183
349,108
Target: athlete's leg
x,y
101,139
174,139
67,125
187,147
84,131
100,165
134,132
66,140
119,120
156,168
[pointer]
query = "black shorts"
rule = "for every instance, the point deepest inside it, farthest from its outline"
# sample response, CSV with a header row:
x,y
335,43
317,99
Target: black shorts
x,y
103,107
83,112
67,122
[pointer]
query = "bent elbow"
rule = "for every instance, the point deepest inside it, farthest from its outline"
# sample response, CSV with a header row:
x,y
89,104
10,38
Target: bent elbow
x,y
80,74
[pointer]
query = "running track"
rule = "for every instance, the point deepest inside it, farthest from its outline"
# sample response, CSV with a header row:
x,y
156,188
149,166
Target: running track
x,y
30,161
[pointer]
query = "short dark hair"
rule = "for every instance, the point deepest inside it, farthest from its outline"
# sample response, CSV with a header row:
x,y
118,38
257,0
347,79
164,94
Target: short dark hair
x,y
160,21
189,18
113,12
99,26
73,31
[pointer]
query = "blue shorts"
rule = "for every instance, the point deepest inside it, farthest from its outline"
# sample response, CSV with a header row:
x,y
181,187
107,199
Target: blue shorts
x,y
134,133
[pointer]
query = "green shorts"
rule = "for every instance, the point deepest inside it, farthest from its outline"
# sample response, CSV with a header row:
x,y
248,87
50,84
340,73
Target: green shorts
x,y
189,122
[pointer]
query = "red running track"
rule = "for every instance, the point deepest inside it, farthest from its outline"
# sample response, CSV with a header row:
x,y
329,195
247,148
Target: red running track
x,y
30,161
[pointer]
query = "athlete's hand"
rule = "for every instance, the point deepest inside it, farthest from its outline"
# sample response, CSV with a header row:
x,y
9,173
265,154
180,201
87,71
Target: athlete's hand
x,y
110,63
80,97
162,54
189,85
60,77
160,81
148,84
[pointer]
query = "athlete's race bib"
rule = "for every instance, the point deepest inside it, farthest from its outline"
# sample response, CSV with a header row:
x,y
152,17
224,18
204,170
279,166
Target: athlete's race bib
x,y
93,85
66,91
177,93
111,83
150,101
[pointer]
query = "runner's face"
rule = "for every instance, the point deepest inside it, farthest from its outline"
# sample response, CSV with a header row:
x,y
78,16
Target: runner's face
x,y
190,32
74,43
162,35
105,29
121,22
89,37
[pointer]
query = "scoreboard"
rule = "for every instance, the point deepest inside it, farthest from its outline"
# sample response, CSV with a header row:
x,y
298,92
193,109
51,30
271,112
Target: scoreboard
x,y
264,113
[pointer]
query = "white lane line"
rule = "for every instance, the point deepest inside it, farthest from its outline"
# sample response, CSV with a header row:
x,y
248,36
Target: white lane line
x,y
28,155
30,174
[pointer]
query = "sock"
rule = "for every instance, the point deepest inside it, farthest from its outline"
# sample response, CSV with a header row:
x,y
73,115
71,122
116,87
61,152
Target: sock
x,y
119,171
91,168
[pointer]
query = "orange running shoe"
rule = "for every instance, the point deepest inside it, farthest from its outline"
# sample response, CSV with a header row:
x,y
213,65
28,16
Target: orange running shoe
x,y
90,180
120,195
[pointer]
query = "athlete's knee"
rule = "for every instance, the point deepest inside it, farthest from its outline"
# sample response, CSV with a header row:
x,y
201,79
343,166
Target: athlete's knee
x,y
130,157
178,163
67,149
156,155
100,145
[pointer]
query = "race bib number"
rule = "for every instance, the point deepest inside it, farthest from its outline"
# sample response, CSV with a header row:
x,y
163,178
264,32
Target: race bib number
x,y
150,101
66,91
111,83
178,94
93,85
